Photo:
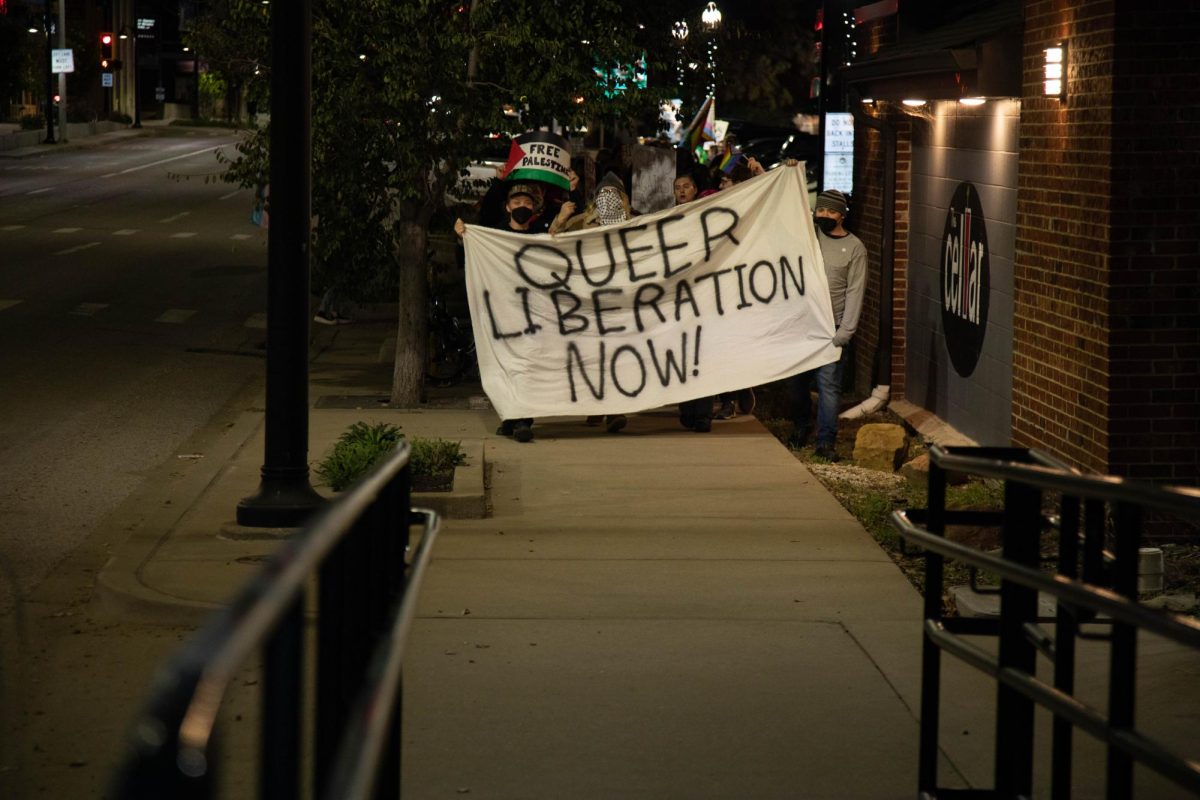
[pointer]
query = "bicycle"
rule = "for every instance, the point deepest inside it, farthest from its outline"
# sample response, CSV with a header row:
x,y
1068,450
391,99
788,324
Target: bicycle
x,y
450,355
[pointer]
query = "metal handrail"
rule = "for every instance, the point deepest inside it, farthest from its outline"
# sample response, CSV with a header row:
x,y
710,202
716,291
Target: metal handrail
x,y
1184,630
357,762
180,718
1049,473
1027,474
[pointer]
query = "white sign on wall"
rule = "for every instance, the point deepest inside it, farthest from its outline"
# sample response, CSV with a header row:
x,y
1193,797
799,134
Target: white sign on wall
x,y
62,60
839,152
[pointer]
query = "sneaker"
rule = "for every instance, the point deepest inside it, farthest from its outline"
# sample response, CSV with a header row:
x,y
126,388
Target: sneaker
x,y
506,428
727,411
745,401
325,319
615,422
702,425
523,432
826,452
595,420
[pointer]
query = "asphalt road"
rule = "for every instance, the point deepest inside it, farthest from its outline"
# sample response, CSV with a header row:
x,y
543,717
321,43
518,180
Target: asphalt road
x,y
132,309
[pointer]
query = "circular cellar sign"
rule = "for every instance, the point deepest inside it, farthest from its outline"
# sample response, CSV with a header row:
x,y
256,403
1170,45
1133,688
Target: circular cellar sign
x,y
964,279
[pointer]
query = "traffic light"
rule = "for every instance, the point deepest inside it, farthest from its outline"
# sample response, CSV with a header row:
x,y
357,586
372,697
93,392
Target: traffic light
x,y
106,51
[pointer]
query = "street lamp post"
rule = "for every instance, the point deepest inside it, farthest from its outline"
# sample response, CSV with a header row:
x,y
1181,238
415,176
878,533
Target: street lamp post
x,y
49,23
711,17
285,496
680,31
137,103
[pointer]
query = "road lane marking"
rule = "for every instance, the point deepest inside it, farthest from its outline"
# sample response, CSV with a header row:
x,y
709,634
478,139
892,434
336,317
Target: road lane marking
x,y
234,193
4,304
176,316
174,217
89,309
109,175
168,160
66,230
39,191
257,321
240,236
12,227
77,248
182,235
126,232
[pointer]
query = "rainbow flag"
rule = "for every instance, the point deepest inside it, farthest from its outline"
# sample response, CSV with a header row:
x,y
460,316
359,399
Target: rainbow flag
x,y
729,161
701,129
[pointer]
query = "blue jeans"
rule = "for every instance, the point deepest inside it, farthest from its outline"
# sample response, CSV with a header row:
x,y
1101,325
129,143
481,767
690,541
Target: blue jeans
x,y
829,392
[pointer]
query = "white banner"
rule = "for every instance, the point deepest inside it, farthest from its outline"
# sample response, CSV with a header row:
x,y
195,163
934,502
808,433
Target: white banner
x,y
716,295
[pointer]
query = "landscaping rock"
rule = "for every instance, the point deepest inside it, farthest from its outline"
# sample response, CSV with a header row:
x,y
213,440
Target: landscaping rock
x,y
880,446
916,472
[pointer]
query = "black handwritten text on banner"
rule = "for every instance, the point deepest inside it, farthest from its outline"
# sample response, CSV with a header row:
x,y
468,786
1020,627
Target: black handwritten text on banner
x,y
719,294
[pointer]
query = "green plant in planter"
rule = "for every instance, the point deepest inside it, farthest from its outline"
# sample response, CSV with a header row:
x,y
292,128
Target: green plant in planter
x,y
362,446
433,462
358,449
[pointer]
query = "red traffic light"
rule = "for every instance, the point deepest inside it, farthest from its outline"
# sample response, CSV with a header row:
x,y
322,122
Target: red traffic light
x,y
106,39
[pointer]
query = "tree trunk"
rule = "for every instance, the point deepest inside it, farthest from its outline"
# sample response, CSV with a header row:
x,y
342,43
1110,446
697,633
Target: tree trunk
x,y
408,372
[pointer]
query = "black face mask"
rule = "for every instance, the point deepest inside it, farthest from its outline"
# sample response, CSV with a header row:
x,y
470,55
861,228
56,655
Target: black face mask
x,y
522,215
826,224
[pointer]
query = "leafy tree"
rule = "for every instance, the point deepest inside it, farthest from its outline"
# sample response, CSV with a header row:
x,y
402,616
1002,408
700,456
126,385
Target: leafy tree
x,y
404,96
233,39
21,54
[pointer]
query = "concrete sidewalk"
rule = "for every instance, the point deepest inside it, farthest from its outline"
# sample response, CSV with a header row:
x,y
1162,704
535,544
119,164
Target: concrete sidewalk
x,y
656,613
652,614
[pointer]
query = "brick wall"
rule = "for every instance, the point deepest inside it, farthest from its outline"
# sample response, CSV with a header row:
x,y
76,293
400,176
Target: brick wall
x,y
867,223
1107,324
1154,309
1061,314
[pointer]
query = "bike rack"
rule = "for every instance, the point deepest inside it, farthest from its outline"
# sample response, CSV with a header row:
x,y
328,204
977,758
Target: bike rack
x,y
357,548
1089,582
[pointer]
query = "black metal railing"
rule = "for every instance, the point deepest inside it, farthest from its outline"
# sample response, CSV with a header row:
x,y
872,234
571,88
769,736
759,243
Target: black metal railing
x,y
1094,585
362,605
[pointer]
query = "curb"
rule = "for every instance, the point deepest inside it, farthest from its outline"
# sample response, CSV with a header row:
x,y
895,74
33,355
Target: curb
x,y
468,497
119,585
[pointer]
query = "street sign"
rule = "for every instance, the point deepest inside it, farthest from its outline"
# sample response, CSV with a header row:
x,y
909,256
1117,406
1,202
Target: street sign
x,y
62,60
160,93
106,80
839,152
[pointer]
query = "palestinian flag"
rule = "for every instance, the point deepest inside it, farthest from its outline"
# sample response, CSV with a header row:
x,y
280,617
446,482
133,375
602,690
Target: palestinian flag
x,y
539,156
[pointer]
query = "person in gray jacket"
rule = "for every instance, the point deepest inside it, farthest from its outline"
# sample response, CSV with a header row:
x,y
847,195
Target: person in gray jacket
x,y
846,269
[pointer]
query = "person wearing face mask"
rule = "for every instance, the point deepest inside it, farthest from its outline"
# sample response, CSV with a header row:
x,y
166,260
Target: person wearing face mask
x,y
609,207
521,209
846,269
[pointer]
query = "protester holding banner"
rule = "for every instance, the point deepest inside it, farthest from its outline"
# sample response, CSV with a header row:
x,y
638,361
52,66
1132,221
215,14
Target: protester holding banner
x,y
694,414
845,259
734,171
609,207
716,294
523,204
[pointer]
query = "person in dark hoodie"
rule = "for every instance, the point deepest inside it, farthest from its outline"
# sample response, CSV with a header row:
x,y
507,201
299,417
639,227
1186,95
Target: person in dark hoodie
x,y
521,209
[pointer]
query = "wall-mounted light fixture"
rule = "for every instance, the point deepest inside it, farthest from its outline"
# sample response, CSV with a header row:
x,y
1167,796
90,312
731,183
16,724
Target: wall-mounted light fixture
x,y
1054,71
